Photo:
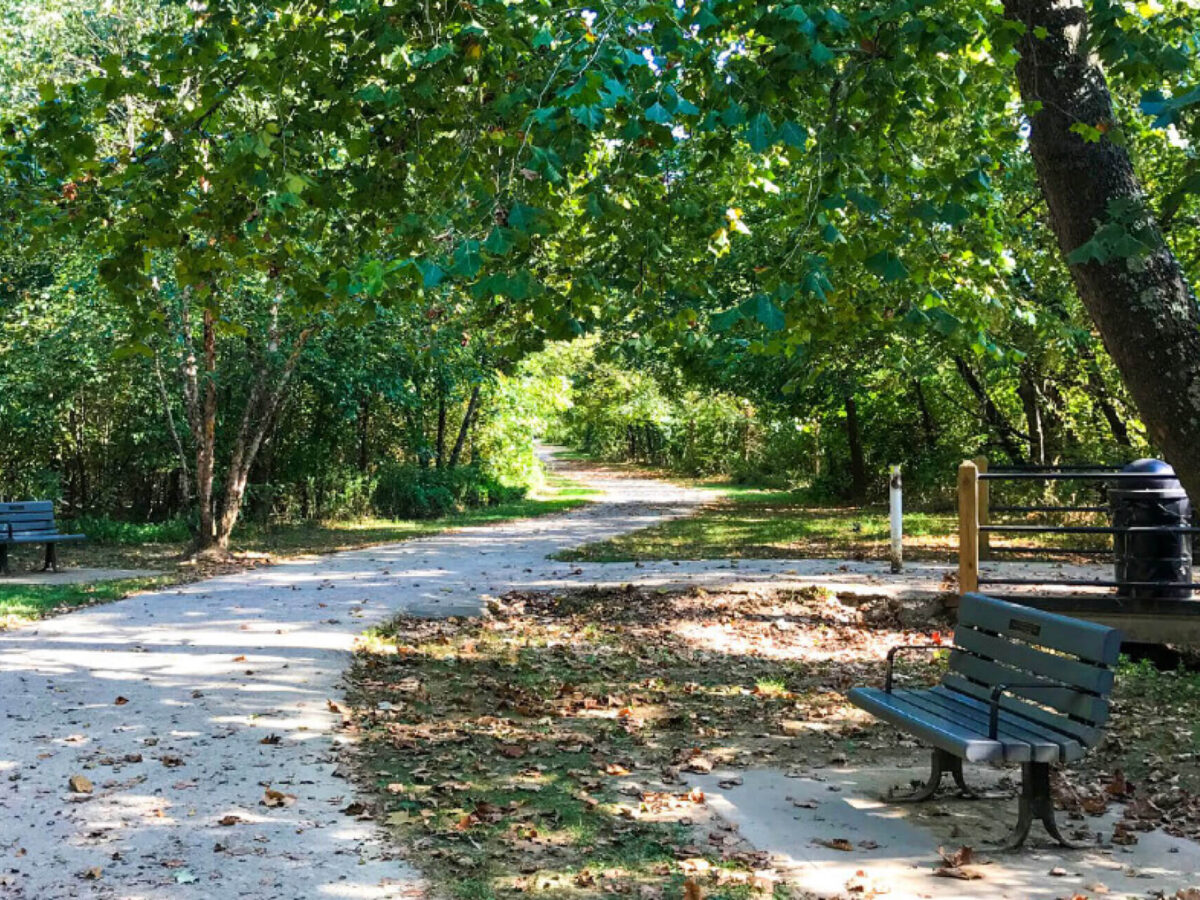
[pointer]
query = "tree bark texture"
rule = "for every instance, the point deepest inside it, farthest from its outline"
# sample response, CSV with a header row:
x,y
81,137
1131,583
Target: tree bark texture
x,y
1144,309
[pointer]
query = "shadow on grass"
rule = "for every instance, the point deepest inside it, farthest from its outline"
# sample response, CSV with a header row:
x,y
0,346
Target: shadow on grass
x,y
540,747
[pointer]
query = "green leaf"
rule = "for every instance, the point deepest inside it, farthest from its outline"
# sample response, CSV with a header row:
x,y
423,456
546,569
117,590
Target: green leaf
x,y
467,261
886,265
497,242
724,321
431,273
590,117
1089,133
793,135
821,54
763,309
658,113
760,133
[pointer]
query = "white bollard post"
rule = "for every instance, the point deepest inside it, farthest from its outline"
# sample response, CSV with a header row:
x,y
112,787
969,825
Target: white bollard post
x,y
896,507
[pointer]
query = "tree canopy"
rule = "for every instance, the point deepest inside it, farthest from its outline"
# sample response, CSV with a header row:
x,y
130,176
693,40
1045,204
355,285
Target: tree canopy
x,y
829,211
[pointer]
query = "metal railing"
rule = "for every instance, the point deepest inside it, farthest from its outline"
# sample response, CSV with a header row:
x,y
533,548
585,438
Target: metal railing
x,y
975,525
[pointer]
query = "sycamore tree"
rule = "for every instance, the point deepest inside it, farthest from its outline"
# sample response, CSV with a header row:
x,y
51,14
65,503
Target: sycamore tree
x,y
285,167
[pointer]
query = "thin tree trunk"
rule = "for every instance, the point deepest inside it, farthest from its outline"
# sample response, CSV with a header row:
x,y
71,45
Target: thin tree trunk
x,y
441,427
364,433
1146,313
1102,400
465,428
257,418
927,423
201,397
1028,393
991,413
185,486
858,465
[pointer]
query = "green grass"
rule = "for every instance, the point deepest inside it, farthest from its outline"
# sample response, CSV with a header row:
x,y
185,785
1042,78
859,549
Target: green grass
x,y
746,523
119,548
26,602
751,523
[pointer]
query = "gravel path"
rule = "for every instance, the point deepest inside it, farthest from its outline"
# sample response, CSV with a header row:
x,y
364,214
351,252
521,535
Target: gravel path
x,y
182,707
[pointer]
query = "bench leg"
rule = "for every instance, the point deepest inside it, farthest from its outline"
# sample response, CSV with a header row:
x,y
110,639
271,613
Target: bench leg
x,y
4,560
51,558
941,762
1036,802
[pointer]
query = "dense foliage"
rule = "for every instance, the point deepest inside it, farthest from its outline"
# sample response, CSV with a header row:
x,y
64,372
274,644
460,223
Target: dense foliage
x,y
257,253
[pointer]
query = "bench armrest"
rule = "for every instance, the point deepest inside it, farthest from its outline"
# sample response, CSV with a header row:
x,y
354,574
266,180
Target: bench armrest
x,y
1001,689
891,659
7,525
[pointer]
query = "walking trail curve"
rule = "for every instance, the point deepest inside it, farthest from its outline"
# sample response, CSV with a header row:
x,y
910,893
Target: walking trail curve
x,y
184,705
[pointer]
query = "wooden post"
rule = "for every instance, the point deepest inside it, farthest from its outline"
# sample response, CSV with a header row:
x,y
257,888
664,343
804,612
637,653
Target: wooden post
x,y
985,505
968,528
896,518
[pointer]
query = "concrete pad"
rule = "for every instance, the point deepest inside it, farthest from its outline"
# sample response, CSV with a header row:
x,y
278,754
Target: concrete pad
x,y
895,846
75,576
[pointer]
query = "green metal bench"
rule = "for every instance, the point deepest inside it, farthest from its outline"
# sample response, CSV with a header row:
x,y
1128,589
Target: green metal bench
x,y
1023,686
31,522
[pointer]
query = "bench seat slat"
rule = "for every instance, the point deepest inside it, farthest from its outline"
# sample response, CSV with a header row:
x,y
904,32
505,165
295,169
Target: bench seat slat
x,y
1097,679
1048,693
940,732
1088,640
48,537
1047,745
29,528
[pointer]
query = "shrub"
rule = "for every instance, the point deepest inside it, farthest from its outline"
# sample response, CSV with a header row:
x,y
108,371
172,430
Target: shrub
x,y
411,492
103,530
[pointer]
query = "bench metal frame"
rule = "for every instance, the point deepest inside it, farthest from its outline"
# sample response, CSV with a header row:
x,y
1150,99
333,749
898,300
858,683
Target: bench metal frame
x,y
1023,686
31,522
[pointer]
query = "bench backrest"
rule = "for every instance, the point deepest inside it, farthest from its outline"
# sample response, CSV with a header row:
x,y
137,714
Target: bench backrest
x,y
1060,668
28,519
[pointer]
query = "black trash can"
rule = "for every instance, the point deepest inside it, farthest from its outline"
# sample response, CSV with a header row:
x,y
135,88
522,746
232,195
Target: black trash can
x,y
1164,556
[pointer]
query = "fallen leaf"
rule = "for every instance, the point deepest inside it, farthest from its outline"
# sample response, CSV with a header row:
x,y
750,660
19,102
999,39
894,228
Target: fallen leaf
x,y
955,872
231,820
837,844
120,701
79,784
275,798
961,857
92,874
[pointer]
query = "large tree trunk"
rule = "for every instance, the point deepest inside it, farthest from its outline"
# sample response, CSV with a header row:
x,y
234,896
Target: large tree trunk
x,y
1145,313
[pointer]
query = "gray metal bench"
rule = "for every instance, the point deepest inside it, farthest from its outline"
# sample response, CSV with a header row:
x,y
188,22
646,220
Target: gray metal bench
x,y
31,522
1023,686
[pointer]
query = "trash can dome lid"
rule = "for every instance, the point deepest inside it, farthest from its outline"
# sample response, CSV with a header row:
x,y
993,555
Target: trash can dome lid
x,y
1160,473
